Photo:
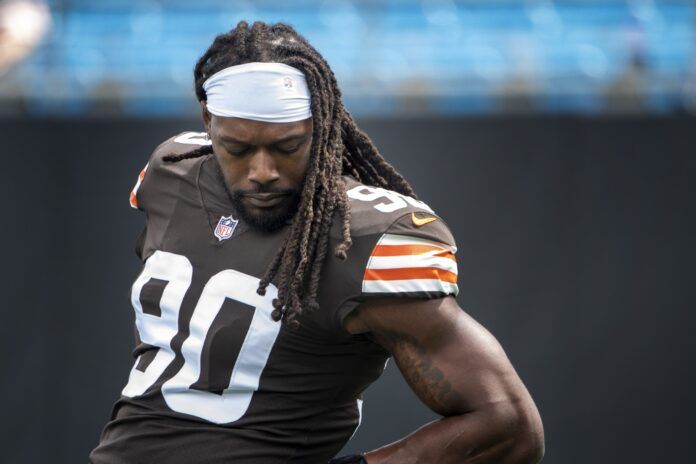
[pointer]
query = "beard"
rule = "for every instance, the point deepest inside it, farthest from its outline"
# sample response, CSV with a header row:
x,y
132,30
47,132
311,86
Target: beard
x,y
263,219
266,219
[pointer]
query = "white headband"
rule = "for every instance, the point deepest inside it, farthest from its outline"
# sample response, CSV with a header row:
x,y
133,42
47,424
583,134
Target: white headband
x,y
269,92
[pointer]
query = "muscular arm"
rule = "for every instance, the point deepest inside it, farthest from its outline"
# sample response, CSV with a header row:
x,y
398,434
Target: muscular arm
x,y
460,371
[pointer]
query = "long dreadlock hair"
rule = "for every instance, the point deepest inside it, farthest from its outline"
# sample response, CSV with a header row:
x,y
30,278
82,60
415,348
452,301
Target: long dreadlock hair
x,y
338,147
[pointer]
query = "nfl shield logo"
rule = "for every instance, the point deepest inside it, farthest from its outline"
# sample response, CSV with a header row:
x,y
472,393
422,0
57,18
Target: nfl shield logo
x,y
225,227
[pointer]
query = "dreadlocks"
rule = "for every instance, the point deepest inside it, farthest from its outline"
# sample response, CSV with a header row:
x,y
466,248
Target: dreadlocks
x,y
339,147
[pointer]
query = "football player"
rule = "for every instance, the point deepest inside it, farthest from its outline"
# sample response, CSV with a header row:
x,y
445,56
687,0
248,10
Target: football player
x,y
284,262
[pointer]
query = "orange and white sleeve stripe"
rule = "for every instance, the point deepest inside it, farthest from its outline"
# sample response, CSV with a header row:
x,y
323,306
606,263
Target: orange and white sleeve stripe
x,y
134,192
404,264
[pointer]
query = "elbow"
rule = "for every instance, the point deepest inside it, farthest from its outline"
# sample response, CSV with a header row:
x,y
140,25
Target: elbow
x,y
529,447
527,434
516,432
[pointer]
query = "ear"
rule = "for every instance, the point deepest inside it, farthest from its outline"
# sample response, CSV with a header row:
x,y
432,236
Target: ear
x,y
205,114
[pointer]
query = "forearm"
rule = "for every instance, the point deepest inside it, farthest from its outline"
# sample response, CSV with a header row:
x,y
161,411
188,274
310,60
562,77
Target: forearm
x,y
461,372
495,435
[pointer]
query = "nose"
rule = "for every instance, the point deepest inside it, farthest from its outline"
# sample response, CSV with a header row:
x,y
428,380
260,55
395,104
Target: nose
x,y
262,168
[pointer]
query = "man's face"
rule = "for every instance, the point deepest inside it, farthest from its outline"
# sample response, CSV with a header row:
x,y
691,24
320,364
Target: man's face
x,y
263,165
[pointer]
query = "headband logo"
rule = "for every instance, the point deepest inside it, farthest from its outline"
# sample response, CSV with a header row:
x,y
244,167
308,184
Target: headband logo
x,y
287,83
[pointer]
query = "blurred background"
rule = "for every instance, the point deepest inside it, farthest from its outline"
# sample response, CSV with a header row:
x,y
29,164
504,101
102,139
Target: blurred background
x,y
391,57
555,137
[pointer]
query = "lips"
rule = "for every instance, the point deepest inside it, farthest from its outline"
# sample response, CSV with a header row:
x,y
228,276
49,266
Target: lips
x,y
265,200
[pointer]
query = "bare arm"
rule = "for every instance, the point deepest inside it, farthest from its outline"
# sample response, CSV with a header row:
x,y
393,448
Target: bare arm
x,y
458,369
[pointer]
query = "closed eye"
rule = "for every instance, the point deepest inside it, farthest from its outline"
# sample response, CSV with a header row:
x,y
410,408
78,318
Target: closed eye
x,y
238,151
288,150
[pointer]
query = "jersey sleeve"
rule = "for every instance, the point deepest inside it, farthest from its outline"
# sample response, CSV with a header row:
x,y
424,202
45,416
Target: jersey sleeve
x,y
414,258
147,179
158,188
133,200
156,171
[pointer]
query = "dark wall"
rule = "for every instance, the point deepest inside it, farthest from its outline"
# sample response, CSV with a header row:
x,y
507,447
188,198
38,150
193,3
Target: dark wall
x,y
576,241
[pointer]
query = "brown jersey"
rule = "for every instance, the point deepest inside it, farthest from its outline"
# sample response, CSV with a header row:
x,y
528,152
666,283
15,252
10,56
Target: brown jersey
x,y
215,379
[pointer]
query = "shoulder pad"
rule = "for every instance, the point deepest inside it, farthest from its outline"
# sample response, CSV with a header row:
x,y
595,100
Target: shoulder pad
x,y
179,144
156,168
374,209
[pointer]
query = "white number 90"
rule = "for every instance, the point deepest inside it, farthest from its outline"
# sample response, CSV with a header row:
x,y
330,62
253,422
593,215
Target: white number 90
x,y
159,331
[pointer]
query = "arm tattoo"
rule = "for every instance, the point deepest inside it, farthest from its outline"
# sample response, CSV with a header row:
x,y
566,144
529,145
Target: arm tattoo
x,y
424,377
